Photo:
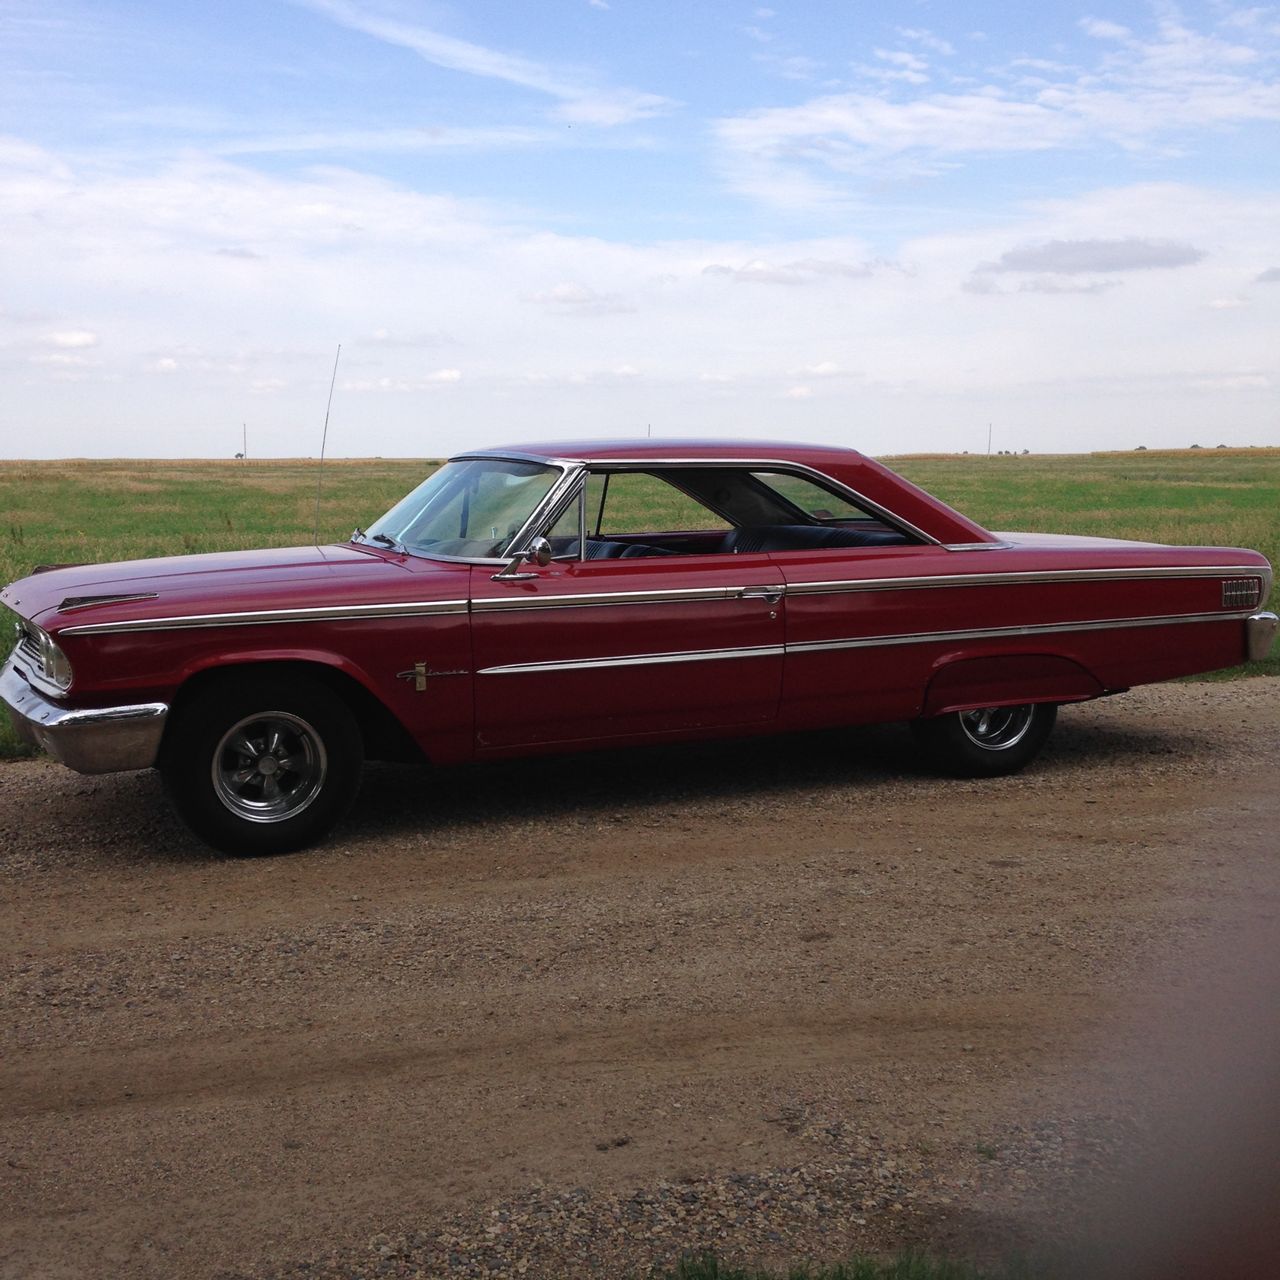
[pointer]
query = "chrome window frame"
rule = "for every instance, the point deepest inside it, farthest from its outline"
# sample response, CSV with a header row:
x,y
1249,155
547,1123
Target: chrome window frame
x,y
562,492
569,470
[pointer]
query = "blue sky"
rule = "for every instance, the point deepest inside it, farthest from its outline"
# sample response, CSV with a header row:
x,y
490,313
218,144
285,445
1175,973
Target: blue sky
x,y
885,225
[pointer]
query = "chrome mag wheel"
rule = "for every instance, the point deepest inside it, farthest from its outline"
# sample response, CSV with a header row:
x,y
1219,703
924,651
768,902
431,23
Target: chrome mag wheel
x,y
270,766
997,728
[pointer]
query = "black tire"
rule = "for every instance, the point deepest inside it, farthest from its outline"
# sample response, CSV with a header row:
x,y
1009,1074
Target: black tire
x,y
988,741
262,764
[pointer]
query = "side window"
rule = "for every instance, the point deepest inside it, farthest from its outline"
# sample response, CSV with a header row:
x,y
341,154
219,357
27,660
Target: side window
x,y
636,502
812,499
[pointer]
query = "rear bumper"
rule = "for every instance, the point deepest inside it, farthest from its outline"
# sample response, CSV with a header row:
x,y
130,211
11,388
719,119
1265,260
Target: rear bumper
x,y
93,740
1260,632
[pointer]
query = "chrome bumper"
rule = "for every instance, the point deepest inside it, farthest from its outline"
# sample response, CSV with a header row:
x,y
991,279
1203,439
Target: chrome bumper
x,y
1260,631
93,740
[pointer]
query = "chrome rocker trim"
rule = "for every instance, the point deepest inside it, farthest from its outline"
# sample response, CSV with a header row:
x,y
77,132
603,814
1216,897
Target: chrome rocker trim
x,y
93,740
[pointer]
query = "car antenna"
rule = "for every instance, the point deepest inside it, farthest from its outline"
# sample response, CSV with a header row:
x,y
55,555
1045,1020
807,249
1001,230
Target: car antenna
x,y
324,438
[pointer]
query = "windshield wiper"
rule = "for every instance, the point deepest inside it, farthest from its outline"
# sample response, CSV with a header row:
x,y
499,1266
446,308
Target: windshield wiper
x,y
357,536
388,541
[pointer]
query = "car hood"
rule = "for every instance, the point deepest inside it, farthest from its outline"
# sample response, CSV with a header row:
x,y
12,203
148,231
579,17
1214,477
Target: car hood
x,y
283,578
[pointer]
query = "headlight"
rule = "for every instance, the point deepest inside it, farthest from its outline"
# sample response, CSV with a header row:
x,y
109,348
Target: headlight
x,y
39,647
56,667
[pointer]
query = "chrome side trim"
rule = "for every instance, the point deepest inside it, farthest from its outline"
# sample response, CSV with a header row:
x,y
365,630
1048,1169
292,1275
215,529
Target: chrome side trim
x,y
675,595
1015,577
89,740
635,660
1000,633
322,613
861,642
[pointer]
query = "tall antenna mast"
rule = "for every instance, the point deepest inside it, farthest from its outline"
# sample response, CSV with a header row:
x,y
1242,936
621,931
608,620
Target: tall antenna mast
x,y
324,439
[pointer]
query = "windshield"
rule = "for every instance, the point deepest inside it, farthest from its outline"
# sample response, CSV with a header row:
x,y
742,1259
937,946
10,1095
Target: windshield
x,y
471,508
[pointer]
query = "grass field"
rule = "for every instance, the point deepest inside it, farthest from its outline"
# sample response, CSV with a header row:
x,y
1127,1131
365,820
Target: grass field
x,y
89,511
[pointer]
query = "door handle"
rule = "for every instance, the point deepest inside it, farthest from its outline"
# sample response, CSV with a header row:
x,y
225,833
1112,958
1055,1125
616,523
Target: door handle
x,y
770,595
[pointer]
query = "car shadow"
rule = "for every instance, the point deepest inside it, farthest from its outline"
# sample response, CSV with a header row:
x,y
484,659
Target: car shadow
x,y
627,784
629,781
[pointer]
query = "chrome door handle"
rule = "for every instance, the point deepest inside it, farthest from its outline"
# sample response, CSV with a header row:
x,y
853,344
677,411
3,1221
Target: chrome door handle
x,y
770,595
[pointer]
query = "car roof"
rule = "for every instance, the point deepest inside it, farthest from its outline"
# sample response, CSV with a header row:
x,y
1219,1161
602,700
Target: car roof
x,y
671,448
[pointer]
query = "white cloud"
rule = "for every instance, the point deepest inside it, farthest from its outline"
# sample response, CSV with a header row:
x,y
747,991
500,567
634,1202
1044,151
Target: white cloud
x,y
444,302
57,358
363,141
1233,382
1227,304
901,58
1141,94
1070,257
928,40
579,102
798,393
571,297
761,271
1270,276
73,339
1101,29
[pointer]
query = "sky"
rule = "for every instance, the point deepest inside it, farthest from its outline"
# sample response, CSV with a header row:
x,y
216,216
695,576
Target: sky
x,y
898,226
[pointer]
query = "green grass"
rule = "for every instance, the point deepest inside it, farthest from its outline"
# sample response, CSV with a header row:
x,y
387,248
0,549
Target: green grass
x,y
90,511
906,1266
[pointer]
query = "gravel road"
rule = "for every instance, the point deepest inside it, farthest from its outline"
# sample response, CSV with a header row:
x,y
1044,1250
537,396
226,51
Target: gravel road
x,y
788,997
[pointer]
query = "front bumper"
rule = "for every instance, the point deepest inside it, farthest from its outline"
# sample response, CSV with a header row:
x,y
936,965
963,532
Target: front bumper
x,y
1260,631
91,740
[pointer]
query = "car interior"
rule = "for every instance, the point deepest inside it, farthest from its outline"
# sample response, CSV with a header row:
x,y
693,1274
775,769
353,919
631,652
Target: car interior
x,y
709,511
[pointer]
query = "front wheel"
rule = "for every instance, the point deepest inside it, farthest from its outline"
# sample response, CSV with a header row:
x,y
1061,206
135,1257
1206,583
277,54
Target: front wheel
x,y
262,765
987,741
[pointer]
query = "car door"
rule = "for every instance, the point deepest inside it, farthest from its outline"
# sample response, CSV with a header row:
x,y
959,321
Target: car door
x,y
854,626
616,649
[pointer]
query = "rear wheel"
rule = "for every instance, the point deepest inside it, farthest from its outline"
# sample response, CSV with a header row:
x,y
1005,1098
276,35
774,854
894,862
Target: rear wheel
x,y
987,741
262,765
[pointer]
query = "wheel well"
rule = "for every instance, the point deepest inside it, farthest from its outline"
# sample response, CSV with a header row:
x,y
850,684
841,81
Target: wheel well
x,y
385,738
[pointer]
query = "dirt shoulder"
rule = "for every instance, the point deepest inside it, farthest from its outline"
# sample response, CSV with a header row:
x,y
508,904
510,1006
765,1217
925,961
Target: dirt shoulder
x,y
788,997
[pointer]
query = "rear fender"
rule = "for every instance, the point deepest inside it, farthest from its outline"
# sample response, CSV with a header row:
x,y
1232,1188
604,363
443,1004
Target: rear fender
x,y
1008,680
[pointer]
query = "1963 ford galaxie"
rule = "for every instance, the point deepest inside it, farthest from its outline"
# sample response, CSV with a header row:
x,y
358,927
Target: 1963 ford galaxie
x,y
582,595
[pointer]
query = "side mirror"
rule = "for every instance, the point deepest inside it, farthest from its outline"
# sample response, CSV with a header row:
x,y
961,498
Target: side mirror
x,y
539,553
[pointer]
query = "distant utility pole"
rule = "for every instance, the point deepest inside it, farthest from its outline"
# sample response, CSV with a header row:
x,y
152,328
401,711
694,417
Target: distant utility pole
x,y
244,433
648,428
988,439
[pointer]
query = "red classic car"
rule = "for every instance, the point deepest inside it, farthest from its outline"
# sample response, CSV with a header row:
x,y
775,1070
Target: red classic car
x,y
580,595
